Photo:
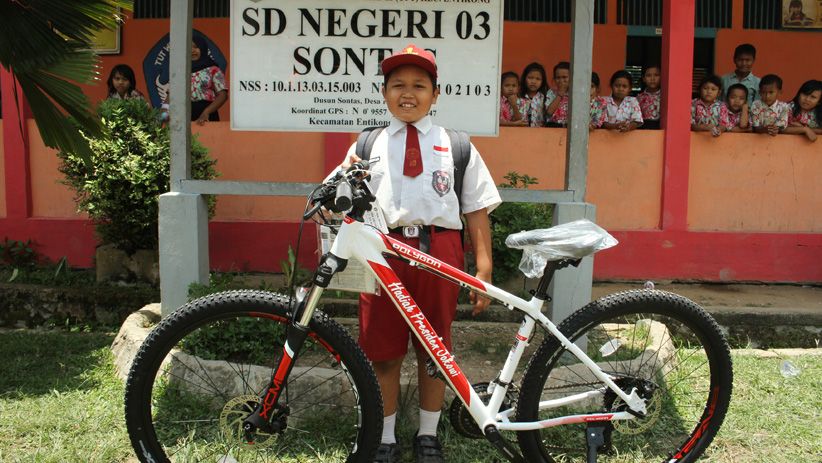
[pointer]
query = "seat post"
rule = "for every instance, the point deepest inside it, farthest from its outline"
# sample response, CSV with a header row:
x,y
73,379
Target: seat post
x,y
548,275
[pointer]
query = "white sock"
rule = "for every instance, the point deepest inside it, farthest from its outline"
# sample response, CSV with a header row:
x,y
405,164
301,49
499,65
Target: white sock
x,y
428,422
388,424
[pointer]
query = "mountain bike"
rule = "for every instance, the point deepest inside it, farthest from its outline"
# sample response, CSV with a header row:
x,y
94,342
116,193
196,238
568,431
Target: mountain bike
x,y
641,375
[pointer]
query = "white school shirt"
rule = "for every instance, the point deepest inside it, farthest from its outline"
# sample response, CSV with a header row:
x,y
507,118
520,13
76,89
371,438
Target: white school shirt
x,y
429,198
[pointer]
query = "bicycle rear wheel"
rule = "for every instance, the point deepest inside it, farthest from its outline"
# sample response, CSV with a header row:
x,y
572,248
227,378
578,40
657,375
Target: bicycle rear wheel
x,y
664,345
202,370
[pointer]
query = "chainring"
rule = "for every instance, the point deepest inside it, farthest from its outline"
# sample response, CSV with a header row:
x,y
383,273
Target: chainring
x,y
461,419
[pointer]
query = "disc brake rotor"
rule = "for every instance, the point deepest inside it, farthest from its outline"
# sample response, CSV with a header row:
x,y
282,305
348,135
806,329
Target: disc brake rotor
x,y
231,422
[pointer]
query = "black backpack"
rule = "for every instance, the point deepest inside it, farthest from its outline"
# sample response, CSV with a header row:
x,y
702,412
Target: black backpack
x,y
460,152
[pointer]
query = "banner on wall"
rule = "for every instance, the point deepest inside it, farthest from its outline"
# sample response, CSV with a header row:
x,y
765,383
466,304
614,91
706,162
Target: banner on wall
x,y
313,65
155,66
802,14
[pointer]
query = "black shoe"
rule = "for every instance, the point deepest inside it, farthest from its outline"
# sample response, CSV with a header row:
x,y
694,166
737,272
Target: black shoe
x,y
427,449
388,453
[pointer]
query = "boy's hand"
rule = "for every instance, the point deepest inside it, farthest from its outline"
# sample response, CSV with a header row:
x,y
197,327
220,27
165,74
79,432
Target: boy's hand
x,y
352,158
480,302
773,130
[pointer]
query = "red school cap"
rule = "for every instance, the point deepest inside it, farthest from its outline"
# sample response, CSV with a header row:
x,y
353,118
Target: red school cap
x,y
410,54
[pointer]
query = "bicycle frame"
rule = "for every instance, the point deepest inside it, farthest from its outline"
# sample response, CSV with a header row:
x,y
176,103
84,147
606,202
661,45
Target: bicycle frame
x,y
367,245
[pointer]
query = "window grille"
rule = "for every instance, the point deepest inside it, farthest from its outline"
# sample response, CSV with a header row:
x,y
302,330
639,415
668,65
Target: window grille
x,y
549,11
158,9
762,14
709,13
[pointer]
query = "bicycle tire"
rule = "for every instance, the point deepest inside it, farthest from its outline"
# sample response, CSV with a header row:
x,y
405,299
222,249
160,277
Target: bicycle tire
x,y
676,349
203,368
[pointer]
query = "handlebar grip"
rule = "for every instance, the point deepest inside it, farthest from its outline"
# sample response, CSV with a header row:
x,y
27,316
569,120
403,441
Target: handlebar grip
x,y
342,201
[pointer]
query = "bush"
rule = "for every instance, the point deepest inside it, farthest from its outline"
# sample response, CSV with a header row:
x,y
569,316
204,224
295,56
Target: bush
x,y
512,218
127,172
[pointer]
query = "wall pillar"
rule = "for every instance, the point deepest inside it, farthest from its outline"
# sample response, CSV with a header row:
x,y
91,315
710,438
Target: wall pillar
x,y
15,150
183,233
677,72
571,286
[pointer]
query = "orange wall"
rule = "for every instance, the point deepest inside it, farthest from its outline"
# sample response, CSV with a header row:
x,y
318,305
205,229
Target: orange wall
x,y
49,197
2,174
749,182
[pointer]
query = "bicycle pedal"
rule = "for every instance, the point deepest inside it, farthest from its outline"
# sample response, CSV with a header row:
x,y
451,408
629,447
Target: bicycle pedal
x,y
432,370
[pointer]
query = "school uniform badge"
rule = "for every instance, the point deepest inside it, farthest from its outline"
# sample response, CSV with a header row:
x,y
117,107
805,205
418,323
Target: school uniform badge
x,y
441,181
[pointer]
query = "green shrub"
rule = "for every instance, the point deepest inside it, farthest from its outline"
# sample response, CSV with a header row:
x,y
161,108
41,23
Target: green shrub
x,y
127,172
512,218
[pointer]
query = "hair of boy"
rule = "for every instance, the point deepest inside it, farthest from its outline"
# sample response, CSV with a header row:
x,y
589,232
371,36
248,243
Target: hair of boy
x,y
771,79
508,75
523,83
622,74
594,80
796,4
738,86
807,88
388,76
561,65
125,71
745,49
712,79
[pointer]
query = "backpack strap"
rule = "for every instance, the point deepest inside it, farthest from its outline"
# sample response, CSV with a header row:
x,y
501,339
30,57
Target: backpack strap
x,y
365,141
461,154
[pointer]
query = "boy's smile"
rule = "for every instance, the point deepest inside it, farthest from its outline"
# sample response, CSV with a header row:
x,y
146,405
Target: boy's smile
x,y
744,64
409,93
769,94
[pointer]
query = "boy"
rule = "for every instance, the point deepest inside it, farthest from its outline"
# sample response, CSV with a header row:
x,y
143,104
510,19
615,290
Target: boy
x,y
744,57
556,101
768,114
415,163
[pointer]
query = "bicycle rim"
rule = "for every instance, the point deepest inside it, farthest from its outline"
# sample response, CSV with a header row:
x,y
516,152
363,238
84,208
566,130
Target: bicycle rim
x,y
195,381
663,345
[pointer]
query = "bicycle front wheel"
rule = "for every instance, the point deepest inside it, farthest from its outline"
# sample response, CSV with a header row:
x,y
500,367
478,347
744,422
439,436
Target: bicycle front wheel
x,y
664,346
203,369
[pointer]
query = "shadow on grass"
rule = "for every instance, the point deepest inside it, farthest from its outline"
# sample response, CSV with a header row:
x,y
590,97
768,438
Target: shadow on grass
x,y
37,363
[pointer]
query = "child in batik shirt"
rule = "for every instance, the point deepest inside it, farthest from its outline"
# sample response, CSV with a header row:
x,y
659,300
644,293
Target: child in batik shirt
x,y
556,99
532,88
738,111
650,97
512,109
599,108
622,110
768,114
806,110
707,112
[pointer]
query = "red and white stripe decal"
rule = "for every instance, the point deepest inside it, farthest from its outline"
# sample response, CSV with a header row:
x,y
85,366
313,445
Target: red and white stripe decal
x,y
433,263
428,337
581,419
442,149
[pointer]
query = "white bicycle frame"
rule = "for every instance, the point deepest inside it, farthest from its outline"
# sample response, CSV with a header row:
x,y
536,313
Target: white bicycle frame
x,y
366,244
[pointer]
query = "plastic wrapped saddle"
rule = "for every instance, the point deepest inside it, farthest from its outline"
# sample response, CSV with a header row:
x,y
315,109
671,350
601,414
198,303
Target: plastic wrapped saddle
x,y
572,240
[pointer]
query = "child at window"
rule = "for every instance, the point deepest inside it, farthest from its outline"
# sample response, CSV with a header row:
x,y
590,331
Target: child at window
x,y
708,113
622,110
744,57
599,108
532,88
651,96
556,100
768,114
513,110
806,111
121,84
738,111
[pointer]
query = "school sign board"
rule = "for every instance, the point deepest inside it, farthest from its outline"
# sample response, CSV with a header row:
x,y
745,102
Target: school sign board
x,y
313,65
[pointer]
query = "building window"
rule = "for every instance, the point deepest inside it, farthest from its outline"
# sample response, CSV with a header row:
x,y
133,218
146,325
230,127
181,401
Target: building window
x,y
762,14
158,9
549,11
709,13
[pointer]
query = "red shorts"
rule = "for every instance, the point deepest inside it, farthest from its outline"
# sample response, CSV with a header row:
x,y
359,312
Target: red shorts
x,y
383,331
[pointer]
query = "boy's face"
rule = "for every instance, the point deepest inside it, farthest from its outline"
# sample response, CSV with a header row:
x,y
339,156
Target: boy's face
x,y
651,78
409,93
736,100
510,86
769,93
561,79
709,92
809,101
744,63
620,88
534,80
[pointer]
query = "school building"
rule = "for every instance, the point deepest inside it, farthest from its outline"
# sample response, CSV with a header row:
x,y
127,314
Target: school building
x,y
684,205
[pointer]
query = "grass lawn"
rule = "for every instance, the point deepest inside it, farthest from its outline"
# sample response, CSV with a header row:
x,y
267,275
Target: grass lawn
x,y
60,402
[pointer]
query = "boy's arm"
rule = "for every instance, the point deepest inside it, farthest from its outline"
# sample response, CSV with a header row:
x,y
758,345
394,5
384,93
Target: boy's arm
x,y
479,229
744,119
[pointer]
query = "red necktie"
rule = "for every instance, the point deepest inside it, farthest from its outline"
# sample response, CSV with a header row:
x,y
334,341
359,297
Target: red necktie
x,y
412,166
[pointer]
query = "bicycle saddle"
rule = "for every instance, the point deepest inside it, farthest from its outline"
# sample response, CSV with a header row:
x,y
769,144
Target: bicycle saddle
x,y
572,240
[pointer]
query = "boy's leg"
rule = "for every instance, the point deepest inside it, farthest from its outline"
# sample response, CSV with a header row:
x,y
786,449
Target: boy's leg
x,y
432,390
388,375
